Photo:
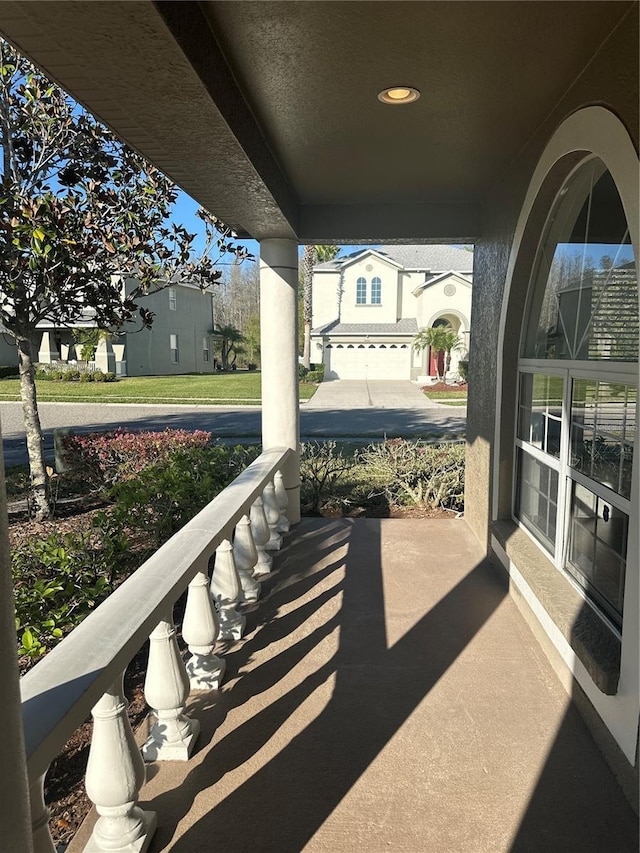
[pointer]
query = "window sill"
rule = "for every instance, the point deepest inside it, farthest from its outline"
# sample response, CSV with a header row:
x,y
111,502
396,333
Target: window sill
x,y
595,644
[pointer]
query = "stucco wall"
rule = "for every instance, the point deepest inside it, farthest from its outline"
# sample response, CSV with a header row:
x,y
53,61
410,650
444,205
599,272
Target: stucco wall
x,y
611,80
148,351
386,312
325,298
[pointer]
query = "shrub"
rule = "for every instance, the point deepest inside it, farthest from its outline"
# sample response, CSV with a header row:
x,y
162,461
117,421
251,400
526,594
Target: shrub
x,y
302,372
110,377
463,369
322,465
86,376
163,497
9,370
316,375
98,376
423,474
104,458
60,579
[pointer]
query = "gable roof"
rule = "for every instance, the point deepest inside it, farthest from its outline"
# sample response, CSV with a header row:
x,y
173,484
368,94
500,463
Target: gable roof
x,y
434,258
405,326
437,258
442,276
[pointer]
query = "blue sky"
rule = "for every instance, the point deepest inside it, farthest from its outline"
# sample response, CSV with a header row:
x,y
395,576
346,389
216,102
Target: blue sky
x,y
184,213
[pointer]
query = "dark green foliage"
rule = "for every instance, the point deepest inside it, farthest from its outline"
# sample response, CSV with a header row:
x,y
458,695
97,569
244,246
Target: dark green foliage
x,y
463,369
10,370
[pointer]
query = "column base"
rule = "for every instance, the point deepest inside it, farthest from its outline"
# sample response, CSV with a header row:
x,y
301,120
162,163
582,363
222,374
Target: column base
x,y
206,674
157,749
140,845
275,543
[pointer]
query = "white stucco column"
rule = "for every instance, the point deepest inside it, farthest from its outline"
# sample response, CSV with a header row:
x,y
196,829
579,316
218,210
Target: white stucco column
x,y
279,358
15,816
48,351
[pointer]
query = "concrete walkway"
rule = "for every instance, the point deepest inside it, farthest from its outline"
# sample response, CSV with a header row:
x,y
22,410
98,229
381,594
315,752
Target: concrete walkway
x,y
387,696
349,394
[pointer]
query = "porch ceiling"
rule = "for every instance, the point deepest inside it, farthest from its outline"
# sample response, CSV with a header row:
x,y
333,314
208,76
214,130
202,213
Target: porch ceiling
x,y
266,112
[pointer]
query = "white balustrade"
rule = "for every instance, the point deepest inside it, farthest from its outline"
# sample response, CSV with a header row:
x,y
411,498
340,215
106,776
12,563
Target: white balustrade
x,y
225,589
261,535
283,502
115,774
166,689
272,514
42,840
200,630
246,557
94,654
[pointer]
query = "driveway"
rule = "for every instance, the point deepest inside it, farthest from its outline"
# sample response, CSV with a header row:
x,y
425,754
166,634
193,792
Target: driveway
x,y
349,394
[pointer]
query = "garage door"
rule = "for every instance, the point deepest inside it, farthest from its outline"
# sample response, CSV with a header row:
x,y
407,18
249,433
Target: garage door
x,y
367,361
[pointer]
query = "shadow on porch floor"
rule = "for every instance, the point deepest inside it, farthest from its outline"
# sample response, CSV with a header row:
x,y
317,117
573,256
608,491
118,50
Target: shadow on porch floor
x,y
387,696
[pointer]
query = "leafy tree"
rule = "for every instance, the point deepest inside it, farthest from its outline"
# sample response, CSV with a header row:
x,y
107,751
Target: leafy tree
x,y
230,345
252,338
310,257
78,210
440,339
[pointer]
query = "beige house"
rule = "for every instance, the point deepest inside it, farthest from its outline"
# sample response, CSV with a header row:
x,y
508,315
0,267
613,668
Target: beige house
x,y
369,306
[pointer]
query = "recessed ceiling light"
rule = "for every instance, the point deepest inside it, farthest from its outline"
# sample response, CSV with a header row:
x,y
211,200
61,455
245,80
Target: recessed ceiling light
x,y
399,95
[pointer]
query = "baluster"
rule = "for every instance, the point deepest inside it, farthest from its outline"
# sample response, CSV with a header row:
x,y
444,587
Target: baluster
x,y
246,556
42,840
283,502
166,688
225,589
115,774
200,630
260,531
272,513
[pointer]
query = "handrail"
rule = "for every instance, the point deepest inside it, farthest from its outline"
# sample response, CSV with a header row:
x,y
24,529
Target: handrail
x,y
60,691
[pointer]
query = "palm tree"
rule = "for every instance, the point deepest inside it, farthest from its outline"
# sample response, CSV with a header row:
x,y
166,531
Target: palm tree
x,y
231,340
440,339
310,257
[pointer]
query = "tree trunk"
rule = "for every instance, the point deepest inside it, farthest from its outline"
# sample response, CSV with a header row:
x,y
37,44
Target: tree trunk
x,y
41,507
306,352
308,263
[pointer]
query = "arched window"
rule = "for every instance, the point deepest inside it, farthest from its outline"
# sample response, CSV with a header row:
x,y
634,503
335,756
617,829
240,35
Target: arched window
x,y
376,291
577,388
361,291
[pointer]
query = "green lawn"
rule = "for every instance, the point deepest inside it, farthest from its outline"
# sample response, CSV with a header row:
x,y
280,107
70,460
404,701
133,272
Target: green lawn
x,y
455,397
213,389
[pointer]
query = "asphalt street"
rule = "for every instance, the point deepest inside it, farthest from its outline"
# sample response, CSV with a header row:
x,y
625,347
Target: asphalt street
x,y
340,409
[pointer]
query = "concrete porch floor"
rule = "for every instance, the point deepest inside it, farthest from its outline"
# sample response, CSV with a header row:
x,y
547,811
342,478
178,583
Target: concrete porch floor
x,y
387,696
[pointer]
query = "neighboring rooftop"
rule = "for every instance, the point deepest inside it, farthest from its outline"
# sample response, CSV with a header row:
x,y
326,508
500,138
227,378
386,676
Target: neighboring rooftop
x,y
435,258
405,326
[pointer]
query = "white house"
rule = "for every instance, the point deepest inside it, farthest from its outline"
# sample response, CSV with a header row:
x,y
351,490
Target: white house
x,y
369,306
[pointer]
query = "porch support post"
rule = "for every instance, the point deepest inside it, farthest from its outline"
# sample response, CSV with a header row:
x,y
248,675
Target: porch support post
x,y
15,816
279,357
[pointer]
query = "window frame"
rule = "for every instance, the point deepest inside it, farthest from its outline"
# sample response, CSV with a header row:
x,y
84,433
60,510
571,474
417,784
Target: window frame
x,y
174,351
173,299
361,290
376,290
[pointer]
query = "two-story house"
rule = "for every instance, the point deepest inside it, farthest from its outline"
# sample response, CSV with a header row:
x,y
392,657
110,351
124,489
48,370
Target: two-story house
x,y
369,306
180,339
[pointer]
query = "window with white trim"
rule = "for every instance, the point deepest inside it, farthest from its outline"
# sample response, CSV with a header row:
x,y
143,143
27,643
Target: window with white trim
x,y
361,291
173,348
173,299
376,291
577,389
206,355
